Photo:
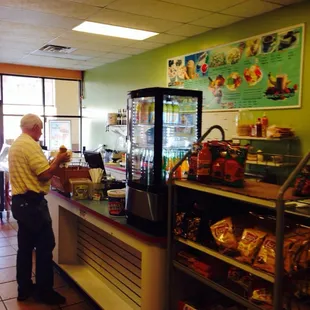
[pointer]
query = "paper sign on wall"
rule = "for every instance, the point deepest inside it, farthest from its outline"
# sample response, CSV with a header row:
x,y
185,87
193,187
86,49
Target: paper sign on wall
x,y
259,72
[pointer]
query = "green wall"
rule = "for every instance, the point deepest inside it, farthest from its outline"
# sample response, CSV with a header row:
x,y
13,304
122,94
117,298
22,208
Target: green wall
x,y
106,87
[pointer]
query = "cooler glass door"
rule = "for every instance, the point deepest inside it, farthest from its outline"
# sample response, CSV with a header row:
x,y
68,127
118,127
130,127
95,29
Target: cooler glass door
x,y
180,131
142,140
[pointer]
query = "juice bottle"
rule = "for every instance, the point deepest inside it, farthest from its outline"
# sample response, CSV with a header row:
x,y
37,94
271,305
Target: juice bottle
x,y
169,112
144,113
264,125
192,171
165,113
138,109
176,112
152,113
184,168
204,160
178,172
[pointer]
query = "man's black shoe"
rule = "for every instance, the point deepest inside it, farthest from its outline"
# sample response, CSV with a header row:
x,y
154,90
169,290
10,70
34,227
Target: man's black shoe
x,y
51,298
24,294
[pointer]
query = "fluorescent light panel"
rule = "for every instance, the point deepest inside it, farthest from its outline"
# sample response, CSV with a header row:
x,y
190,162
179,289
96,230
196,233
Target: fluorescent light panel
x,y
114,31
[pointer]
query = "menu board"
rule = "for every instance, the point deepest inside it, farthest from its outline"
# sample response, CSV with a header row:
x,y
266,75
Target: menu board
x,y
262,72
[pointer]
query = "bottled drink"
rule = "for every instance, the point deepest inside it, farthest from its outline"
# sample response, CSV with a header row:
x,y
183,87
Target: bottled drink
x,y
143,167
176,112
144,113
258,128
152,113
164,166
264,125
119,117
165,113
150,168
204,160
169,112
178,172
138,109
124,117
192,172
184,167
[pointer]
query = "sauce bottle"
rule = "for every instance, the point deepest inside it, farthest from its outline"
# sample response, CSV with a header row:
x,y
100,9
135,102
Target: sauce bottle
x,y
258,128
264,125
192,171
204,160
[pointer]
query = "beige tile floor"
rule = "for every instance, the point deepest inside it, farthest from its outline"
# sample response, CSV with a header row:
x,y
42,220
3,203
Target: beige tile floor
x,y
8,284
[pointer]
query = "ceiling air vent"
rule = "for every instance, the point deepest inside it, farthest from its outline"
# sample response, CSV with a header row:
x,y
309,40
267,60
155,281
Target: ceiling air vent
x,y
57,49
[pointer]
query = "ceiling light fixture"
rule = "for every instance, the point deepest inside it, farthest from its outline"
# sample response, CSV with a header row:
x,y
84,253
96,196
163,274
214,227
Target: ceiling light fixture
x,y
114,31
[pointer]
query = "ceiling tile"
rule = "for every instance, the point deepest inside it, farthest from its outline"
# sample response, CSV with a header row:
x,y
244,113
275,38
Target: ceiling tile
x,y
95,38
37,18
42,60
188,30
21,46
217,20
213,6
132,21
146,45
100,61
11,53
59,7
22,30
130,50
285,2
83,45
86,52
158,9
165,38
100,3
251,8
116,56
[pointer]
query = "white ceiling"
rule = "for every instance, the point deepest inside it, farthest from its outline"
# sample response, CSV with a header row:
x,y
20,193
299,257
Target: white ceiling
x,y
27,25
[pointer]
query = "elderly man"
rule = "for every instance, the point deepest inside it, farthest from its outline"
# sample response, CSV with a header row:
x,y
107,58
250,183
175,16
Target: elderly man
x,y
30,175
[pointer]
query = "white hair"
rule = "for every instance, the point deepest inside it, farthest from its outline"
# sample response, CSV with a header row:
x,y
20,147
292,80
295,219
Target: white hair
x,y
28,121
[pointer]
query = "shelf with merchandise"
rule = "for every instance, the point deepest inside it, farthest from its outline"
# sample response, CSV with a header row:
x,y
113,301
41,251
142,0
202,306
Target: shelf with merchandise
x,y
263,139
278,201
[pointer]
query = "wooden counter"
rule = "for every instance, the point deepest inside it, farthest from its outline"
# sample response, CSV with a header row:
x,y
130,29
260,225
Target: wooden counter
x,y
117,265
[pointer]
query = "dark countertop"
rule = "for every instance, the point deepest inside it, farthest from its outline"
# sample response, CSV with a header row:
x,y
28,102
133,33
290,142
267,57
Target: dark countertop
x,y
100,210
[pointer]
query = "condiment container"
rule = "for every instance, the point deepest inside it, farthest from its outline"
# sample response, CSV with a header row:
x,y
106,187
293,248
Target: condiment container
x,y
80,188
116,202
244,120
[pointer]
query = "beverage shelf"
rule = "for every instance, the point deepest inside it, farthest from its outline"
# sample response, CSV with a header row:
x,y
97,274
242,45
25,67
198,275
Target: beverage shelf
x,y
262,139
166,125
258,193
270,163
217,287
226,259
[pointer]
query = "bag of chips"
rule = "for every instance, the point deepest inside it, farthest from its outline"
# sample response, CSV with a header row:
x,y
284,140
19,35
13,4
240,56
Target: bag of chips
x,y
235,165
302,183
266,257
223,234
249,244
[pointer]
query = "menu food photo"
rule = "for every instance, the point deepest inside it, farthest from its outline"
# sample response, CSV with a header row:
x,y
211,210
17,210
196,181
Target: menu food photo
x,y
259,72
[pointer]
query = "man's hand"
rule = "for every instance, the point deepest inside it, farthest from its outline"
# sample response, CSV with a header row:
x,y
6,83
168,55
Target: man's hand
x,y
63,157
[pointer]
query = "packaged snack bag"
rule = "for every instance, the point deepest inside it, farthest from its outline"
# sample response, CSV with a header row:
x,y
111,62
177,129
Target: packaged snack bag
x,y
223,233
266,257
302,183
250,244
235,165
219,152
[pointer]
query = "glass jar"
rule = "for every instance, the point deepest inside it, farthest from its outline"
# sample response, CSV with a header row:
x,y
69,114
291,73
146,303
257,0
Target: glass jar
x,y
244,122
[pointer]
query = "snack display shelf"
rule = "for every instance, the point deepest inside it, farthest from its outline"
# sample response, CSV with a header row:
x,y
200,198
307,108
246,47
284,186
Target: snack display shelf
x,y
263,139
258,193
227,259
217,287
277,198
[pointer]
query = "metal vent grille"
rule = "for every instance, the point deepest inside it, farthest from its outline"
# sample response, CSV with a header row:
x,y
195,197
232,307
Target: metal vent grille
x,y
57,49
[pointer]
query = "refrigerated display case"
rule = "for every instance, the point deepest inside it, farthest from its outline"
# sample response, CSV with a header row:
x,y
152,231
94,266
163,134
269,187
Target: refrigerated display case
x,y
163,123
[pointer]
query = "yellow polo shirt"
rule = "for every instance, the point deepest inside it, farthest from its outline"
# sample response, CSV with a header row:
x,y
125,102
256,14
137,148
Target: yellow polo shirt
x,y
26,162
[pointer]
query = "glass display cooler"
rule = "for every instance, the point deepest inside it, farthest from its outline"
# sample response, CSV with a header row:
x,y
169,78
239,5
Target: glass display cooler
x,y
162,125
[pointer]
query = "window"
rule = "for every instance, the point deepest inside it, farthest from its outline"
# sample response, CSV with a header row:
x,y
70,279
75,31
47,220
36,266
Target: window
x,y
51,99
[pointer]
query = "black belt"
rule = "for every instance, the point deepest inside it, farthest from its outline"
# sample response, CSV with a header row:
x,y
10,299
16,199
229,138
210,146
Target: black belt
x,y
31,195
